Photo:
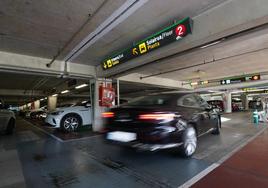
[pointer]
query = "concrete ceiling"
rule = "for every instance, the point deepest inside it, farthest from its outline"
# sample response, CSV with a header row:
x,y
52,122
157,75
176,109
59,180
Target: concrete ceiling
x,y
42,28
242,55
46,28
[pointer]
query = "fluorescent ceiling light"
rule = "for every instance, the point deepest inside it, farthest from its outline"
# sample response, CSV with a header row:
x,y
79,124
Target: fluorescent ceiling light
x,y
84,102
211,44
65,91
194,83
42,99
55,95
237,95
81,86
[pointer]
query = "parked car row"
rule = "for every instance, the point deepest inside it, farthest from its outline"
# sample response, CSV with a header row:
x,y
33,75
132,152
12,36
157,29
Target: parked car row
x,y
67,117
236,105
70,118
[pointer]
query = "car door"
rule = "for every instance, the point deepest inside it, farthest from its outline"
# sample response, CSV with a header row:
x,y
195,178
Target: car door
x,y
208,111
86,113
192,112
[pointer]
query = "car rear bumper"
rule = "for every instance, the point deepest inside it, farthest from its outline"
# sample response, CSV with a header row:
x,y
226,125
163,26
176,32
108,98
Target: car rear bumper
x,y
144,146
149,142
155,147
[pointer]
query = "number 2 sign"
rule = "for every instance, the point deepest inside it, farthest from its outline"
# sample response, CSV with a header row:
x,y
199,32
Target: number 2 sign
x,y
180,31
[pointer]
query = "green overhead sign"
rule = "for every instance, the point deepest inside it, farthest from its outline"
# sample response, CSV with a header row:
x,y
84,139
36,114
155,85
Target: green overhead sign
x,y
166,36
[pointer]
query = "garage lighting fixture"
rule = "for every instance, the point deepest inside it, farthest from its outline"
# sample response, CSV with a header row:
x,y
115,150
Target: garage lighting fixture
x,y
65,91
211,44
81,86
42,99
55,95
194,83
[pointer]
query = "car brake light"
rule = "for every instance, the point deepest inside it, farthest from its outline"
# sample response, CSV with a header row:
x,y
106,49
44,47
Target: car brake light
x,y
107,114
156,116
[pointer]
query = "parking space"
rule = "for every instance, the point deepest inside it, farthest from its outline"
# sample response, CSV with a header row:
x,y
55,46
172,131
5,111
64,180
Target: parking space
x,y
47,162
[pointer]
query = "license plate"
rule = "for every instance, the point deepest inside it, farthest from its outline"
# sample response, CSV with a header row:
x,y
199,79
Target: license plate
x,y
121,136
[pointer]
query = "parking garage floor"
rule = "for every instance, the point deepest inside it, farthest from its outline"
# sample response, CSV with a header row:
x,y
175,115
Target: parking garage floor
x,y
32,158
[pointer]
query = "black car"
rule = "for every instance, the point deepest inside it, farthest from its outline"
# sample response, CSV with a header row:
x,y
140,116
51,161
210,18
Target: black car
x,y
162,121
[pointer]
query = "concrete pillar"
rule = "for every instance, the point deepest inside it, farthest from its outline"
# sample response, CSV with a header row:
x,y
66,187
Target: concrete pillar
x,y
244,99
227,100
118,92
51,103
37,104
97,110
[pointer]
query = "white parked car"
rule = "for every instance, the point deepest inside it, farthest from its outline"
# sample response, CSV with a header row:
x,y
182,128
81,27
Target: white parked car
x,y
69,119
7,119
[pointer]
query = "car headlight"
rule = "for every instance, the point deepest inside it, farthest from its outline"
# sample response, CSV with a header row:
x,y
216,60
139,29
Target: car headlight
x,y
57,113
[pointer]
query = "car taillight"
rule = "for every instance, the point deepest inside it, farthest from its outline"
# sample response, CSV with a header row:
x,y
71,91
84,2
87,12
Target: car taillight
x,y
156,116
107,114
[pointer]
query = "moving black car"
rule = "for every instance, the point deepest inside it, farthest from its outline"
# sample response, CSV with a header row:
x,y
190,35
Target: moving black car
x,y
161,121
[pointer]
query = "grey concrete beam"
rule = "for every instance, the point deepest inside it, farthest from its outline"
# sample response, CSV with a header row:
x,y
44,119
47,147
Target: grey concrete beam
x,y
157,81
29,64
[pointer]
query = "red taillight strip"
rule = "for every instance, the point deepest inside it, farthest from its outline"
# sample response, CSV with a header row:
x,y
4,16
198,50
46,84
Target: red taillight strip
x,y
107,114
156,116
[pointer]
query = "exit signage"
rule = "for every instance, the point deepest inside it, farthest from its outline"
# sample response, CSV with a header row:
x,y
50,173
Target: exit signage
x,y
166,36
240,79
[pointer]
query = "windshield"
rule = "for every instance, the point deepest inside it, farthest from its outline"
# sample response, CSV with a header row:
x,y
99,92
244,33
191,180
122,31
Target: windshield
x,y
65,105
153,100
83,103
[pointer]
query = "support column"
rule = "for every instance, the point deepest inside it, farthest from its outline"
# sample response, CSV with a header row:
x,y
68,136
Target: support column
x,y
37,104
118,92
227,100
97,110
244,99
51,103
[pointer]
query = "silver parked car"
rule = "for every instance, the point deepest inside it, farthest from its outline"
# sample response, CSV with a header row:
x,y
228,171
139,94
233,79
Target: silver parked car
x,y
7,119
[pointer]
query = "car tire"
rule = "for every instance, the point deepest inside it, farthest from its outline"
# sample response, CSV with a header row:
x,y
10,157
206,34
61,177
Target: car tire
x,y
216,129
70,123
189,140
10,127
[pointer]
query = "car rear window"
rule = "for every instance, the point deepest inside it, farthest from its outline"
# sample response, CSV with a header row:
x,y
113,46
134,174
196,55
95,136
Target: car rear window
x,y
153,100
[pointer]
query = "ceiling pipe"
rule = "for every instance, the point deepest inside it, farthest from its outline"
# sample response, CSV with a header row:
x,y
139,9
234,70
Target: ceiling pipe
x,y
118,16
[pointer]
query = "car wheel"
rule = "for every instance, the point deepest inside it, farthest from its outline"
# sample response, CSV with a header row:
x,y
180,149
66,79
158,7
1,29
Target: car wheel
x,y
216,129
189,142
70,123
10,126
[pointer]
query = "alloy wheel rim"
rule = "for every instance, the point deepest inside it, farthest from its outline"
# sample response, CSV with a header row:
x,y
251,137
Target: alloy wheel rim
x,y
70,123
190,142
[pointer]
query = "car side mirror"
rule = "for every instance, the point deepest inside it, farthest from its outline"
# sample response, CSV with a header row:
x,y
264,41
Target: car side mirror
x,y
208,108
